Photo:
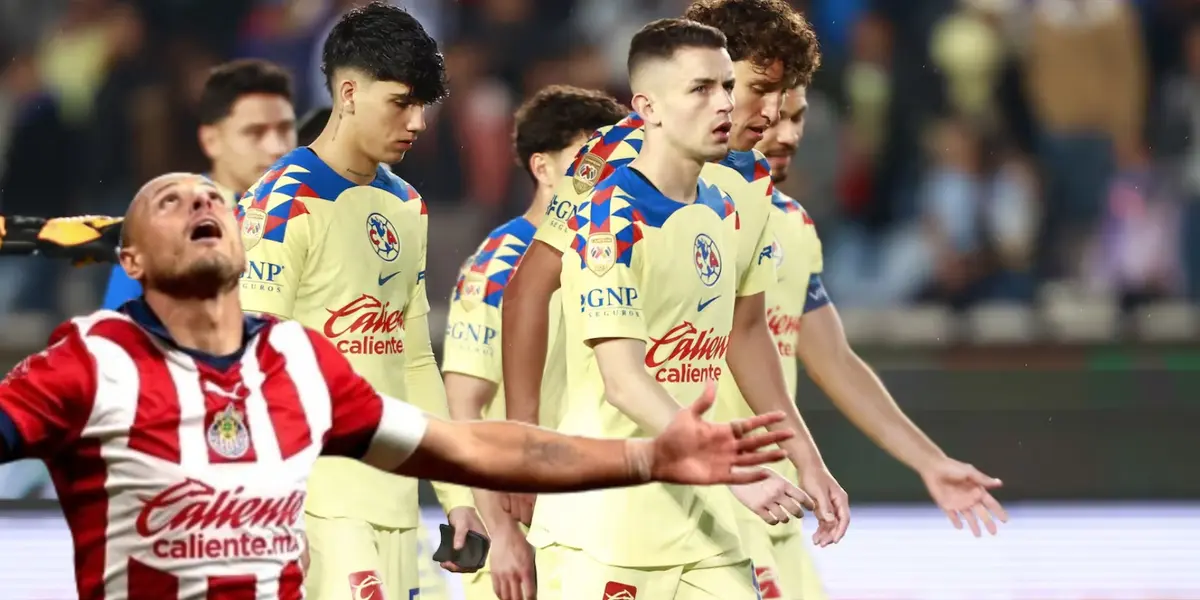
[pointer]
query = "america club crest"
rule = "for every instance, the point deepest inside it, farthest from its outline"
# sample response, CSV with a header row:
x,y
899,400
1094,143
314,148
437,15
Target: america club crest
x,y
254,224
587,173
601,253
474,288
707,259
383,237
228,435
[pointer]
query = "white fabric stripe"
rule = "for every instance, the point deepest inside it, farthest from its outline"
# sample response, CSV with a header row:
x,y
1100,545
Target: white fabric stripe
x,y
193,442
401,428
268,589
266,443
112,418
291,340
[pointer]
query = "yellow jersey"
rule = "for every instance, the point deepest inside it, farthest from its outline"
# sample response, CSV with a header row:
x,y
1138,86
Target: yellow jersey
x,y
473,326
642,266
348,260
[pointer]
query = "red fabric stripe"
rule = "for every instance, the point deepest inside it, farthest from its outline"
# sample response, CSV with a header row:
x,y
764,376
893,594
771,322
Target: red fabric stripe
x,y
283,401
80,477
155,428
356,407
291,582
148,583
215,403
232,587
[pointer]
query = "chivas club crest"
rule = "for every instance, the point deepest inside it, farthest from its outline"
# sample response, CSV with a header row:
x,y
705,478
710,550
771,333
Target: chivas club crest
x,y
474,288
587,173
708,260
228,435
601,253
253,224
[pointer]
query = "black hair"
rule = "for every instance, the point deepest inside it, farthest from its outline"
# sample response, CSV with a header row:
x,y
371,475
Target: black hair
x,y
554,117
228,82
659,40
388,44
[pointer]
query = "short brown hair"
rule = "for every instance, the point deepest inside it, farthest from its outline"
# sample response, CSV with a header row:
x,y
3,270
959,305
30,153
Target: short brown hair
x,y
554,117
660,39
762,32
230,81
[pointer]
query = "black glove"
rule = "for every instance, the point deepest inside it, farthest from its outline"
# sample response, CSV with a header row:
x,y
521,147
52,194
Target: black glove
x,y
83,240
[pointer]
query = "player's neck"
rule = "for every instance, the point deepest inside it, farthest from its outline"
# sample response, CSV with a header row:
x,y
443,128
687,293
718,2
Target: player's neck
x,y
674,174
212,325
539,206
222,177
342,155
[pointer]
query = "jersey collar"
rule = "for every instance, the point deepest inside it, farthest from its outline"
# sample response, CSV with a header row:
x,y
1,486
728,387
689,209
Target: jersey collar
x,y
141,313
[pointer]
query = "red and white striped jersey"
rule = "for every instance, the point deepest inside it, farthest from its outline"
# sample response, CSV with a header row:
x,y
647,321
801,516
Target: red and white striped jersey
x,y
183,476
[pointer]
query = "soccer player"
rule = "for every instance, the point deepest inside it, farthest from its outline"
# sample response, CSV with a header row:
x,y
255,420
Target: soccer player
x,y
337,242
246,124
548,129
181,433
806,326
773,49
643,331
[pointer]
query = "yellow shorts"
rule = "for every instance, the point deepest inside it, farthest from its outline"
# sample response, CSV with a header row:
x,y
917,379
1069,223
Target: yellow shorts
x,y
570,574
478,586
798,576
352,559
782,565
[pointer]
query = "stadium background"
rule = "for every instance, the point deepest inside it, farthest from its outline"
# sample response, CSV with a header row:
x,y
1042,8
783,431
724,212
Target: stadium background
x,y
1008,192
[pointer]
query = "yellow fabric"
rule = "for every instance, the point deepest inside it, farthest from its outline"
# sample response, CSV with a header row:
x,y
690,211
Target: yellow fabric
x,y
567,574
340,548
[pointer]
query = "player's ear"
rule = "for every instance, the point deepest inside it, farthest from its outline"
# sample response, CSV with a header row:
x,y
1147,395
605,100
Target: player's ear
x,y
345,96
540,165
130,261
644,107
207,134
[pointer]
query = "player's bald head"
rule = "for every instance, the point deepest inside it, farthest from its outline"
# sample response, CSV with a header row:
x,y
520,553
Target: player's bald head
x,y
658,42
136,214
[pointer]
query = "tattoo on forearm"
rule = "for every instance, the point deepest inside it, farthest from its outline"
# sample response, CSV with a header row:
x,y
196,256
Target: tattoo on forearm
x,y
539,449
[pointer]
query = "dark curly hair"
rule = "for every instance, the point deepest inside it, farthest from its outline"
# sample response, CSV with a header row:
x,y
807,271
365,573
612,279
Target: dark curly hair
x,y
556,115
228,82
762,32
388,44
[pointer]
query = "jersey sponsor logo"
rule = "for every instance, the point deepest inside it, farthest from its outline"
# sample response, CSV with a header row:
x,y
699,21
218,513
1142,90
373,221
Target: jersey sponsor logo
x,y
685,354
254,224
601,253
588,173
619,591
262,276
366,325
383,237
366,585
474,288
768,583
560,209
784,328
707,259
609,301
703,304
481,337
193,520
228,435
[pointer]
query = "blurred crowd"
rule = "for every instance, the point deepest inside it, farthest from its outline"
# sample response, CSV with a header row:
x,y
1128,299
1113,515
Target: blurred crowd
x,y
957,151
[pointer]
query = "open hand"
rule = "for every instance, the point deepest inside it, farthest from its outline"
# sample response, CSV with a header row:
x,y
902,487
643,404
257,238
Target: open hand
x,y
964,493
513,572
832,505
694,451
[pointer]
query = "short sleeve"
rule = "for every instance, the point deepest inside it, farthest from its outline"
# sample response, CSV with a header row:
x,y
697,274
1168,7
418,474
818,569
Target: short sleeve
x,y
278,241
760,273
472,342
605,282
418,302
381,431
48,396
816,296
554,230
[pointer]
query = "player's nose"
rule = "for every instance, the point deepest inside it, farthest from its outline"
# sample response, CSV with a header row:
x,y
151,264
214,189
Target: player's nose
x,y
772,104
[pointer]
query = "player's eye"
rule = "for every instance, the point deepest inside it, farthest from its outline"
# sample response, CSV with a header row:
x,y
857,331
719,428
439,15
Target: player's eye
x,y
700,89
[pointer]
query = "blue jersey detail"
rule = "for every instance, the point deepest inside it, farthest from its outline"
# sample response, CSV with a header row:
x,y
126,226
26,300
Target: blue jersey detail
x,y
121,289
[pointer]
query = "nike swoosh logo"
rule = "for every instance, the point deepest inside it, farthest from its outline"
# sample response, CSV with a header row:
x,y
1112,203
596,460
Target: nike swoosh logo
x,y
703,304
386,278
